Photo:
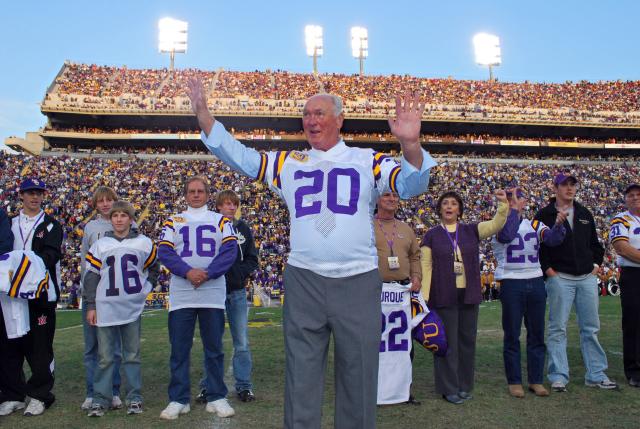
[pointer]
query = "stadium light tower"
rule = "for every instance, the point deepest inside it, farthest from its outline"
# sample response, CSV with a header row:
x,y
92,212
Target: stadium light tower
x,y
488,52
172,38
313,40
360,45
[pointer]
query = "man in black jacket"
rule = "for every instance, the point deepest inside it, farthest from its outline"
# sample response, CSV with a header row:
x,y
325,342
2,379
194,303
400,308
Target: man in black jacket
x,y
570,270
6,235
33,230
227,203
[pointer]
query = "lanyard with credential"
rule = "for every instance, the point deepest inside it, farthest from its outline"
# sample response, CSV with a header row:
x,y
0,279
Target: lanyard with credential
x,y
454,243
22,237
389,241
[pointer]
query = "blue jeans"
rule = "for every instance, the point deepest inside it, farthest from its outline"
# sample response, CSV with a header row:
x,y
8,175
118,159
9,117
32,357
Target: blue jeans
x,y
91,356
523,298
238,317
563,294
237,314
182,324
108,337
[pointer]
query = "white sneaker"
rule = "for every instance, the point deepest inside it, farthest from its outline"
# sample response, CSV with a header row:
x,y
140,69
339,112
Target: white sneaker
x,y
605,384
173,410
86,405
9,407
35,408
221,407
116,402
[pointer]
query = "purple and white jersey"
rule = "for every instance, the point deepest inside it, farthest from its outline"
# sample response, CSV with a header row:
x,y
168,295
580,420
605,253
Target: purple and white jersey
x,y
519,258
123,287
331,196
625,227
402,311
196,236
22,275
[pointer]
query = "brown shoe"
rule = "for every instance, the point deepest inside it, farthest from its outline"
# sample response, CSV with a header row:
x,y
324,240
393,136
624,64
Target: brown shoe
x,y
516,390
538,389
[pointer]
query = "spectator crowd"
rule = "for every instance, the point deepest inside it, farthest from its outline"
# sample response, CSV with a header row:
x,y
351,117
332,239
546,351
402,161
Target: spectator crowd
x,y
83,86
154,187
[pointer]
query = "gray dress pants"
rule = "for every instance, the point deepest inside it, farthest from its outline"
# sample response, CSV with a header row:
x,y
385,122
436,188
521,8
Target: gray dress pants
x,y
314,308
454,373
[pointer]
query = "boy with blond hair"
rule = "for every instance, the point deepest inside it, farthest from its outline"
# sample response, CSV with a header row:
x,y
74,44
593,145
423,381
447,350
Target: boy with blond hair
x,y
102,201
121,268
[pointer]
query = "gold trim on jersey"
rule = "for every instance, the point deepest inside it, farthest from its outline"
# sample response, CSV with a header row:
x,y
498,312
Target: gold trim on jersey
x,y
277,168
620,220
393,177
18,278
263,167
95,262
230,238
152,257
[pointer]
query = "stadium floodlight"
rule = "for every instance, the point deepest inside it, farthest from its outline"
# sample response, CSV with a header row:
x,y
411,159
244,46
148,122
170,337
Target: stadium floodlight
x,y
488,52
313,40
360,45
172,38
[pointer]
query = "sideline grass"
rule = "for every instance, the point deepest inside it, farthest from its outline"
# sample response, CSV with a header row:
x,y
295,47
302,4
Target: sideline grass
x,y
581,407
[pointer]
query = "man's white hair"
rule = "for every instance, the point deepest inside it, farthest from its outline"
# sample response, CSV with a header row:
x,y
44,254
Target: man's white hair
x,y
335,100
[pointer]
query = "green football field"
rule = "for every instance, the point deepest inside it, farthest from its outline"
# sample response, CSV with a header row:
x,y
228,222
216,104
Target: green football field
x,y
581,407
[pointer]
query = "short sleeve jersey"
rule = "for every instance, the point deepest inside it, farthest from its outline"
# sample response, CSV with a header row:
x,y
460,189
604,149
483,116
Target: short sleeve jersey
x,y
122,267
519,259
625,227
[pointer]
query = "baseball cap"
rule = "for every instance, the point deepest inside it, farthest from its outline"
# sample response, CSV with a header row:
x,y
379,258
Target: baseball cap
x,y
562,177
29,183
631,187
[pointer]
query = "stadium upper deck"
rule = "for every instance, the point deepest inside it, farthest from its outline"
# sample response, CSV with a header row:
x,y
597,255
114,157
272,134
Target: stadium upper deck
x,y
86,96
92,88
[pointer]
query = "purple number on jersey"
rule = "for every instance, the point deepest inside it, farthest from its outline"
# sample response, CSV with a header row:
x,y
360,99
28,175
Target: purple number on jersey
x,y
127,275
332,191
383,346
186,253
205,246
403,345
513,258
614,231
394,345
130,274
533,236
302,191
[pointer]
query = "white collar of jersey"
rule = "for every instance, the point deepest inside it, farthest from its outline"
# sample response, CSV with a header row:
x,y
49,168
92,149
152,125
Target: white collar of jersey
x,y
30,218
336,150
200,211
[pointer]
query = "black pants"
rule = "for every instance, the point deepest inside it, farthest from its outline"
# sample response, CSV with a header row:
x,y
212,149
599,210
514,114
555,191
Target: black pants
x,y
455,372
630,301
37,348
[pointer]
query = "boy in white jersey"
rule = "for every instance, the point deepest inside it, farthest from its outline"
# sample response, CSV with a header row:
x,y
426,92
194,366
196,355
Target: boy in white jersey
x,y
198,246
102,201
332,281
522,291
121,268
624,235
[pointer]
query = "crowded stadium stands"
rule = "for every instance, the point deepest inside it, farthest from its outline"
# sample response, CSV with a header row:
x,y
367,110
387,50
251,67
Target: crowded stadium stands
x,y
103,88
154,186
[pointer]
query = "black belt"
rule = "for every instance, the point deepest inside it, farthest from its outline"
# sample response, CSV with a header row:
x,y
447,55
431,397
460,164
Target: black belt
x,y
400,282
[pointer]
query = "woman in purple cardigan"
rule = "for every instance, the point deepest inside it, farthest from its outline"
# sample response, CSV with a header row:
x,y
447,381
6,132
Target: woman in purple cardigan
x,y
451,285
